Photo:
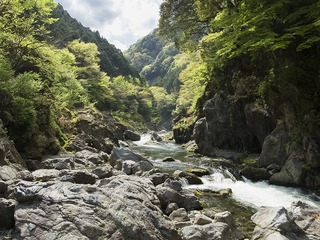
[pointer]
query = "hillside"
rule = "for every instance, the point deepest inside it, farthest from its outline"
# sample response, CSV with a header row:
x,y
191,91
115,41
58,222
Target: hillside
x,y
67,29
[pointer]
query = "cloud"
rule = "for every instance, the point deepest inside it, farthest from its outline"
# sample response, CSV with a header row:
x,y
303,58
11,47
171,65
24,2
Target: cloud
x,y
121,22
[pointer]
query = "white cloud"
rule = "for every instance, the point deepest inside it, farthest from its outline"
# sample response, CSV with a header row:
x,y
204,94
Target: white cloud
x,y
121,22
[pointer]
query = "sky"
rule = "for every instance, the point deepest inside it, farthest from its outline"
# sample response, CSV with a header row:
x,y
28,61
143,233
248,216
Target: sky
x,y
121,22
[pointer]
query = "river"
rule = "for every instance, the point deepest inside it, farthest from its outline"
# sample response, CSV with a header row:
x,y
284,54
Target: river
x,y
223,175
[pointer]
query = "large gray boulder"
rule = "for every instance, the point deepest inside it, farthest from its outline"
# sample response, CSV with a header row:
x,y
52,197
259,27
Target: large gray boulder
x,y
122,207
212,231
131,135
171,192
119,155
7,207
273,223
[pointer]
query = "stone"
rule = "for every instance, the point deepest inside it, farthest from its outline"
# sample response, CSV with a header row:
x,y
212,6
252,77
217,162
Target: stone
x,y
78,177
128,134
9,154
155,137
121,207
292,173
3,187
199,172
201,219
103,172
59,162
212,231
158,178
275,223
45,175
168,159
171,192
119,155
129,167
8,173
274,148
92,157
170,208
7,207
25,175
255,174
227,217
179,215
191,178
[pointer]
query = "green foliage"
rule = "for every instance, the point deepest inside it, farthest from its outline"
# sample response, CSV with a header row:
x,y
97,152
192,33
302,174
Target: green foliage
x,y
68,29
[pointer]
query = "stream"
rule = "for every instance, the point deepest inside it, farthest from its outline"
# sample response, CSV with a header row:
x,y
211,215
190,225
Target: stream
x,y
247,196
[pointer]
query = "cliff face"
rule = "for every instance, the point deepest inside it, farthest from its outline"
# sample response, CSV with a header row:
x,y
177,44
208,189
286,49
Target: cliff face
x,y
243,126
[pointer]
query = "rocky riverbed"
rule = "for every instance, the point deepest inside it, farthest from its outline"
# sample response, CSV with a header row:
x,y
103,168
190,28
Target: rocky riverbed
x,y
92,194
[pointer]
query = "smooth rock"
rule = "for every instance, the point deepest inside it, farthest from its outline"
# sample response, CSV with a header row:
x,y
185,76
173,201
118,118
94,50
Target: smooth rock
x,y
128,134
8,173
168,159
45,175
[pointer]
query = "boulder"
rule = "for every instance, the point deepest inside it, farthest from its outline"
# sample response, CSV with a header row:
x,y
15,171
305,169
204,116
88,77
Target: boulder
x,y
158,178
78,176
59,162
103,172
119,155
9,154
92,157
274,147
3,187
292,173
128,134
200,172
168,159
130,167
255,174
122,207
275,223
212,231
191,178
7,207
227,217
45,175
8,173
155,137
171,192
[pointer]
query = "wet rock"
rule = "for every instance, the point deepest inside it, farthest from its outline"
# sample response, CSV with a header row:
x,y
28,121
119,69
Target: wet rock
x,y
128,134
122,207
191,178
156,137
255,174
171,192
200,172
275,223
168,159
7,207
103,172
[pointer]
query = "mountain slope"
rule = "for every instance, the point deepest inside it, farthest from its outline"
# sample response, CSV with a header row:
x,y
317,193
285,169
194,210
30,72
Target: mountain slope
x,y
67,29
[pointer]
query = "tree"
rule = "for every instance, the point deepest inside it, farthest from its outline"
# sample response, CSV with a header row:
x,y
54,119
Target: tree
x,y
23,26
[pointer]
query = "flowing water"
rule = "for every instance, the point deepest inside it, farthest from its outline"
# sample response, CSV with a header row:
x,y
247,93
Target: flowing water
x,y
246,196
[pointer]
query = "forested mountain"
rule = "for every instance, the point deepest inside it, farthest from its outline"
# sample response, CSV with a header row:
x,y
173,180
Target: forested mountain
x,y
67,29
260,60
47,77
154,58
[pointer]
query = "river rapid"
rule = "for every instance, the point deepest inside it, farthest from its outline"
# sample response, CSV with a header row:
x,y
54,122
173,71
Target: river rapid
x,y
223,174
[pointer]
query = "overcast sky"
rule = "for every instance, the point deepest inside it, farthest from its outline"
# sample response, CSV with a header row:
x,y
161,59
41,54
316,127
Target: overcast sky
x,y
121,22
